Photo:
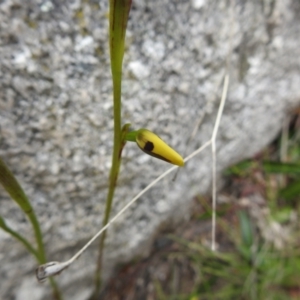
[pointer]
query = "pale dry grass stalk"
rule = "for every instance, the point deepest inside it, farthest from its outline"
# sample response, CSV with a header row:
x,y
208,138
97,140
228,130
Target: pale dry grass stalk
x,y
214,162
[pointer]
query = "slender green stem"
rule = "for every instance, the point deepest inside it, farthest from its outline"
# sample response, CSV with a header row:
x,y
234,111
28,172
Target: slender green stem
x,y
118,16
114,172
112,185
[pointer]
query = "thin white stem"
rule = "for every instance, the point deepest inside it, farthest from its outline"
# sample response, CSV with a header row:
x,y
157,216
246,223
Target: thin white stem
x,y
215,131
221,107
197,151
214,162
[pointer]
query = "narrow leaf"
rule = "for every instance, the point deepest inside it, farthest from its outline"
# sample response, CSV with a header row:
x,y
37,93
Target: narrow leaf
x,y
282,168
246,229
13,188
119,12
19,237
291,191
241,168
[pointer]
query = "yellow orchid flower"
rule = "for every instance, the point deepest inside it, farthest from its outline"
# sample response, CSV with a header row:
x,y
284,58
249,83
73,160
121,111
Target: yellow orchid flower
x,y
153,145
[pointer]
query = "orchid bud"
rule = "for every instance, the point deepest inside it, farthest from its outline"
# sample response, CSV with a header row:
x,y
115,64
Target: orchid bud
x,y
153,145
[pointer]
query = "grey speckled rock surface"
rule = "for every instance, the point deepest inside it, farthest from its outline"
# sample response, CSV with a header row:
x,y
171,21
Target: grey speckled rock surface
x,y
56,116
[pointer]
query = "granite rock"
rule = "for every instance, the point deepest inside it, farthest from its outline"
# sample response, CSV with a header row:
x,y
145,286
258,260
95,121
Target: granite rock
x,y
56,116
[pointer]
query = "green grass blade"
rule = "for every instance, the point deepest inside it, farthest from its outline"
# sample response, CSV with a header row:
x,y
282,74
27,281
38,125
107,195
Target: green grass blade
x,y
246,229
13,188
119,11
241,169
281,168
291,191
19,237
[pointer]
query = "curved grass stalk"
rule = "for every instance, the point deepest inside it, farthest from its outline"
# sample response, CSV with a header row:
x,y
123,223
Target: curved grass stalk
x,y
214,162
19,237
13,188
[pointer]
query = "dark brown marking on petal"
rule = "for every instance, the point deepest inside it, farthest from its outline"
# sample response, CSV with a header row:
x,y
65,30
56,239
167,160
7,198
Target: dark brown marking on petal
x,y
149,146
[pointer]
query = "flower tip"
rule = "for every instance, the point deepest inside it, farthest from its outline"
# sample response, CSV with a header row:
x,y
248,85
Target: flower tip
x,y
181,163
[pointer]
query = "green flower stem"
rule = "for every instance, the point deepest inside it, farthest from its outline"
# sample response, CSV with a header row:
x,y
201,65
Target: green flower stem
x,y
131,136
112,185
118,17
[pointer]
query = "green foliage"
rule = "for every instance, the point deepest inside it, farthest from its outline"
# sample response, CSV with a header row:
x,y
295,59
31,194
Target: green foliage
x,y
17,194
13,188
246,230
291,191
241,169
281,167
19,237
291,172
249,270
